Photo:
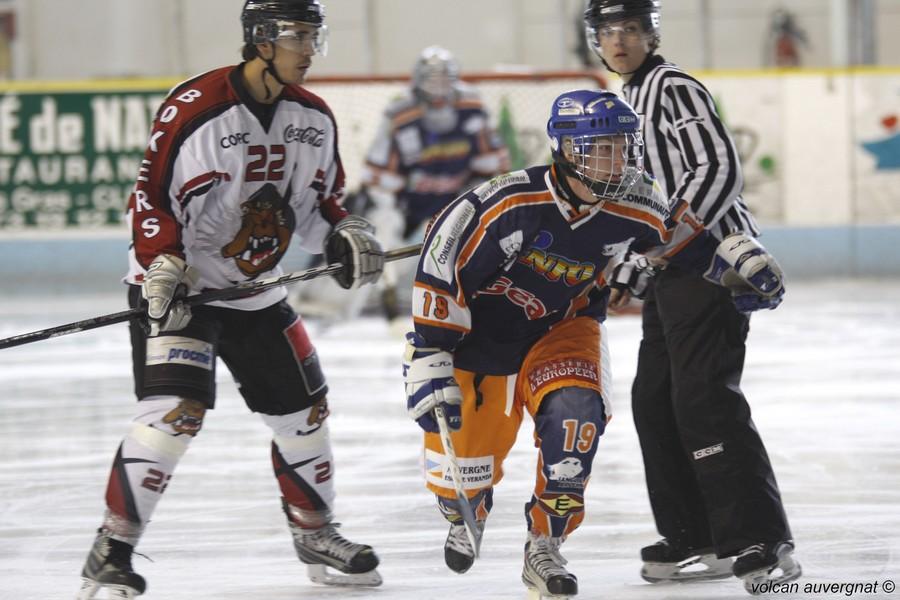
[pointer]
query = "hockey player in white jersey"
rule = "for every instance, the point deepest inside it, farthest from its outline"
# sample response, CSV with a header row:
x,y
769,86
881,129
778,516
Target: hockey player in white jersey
x,y
239,160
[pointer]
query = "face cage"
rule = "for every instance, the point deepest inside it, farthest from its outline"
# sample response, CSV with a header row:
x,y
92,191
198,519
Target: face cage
x,y
594,161
436,81
280,33
438,86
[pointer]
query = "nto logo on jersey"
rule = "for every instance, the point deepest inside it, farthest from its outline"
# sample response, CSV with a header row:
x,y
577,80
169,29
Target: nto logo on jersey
x,y
309,135
555,267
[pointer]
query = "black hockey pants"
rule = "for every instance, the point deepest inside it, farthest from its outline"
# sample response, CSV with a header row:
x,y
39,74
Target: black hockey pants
x,y
708,475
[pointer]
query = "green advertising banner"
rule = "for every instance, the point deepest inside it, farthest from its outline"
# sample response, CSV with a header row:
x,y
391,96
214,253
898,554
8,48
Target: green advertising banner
x,y
69,158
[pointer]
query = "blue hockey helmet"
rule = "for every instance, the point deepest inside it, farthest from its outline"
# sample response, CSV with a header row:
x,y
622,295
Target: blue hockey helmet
x,y
270,21
595,136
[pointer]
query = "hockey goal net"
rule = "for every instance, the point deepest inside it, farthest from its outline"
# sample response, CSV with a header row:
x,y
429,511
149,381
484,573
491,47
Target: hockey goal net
x,y
518,104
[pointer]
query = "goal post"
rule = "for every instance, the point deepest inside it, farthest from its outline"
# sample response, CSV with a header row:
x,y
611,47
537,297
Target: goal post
x,y
518,104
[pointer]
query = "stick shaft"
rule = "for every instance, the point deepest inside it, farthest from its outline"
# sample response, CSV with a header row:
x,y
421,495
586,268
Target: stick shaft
x,y
238,291
465,509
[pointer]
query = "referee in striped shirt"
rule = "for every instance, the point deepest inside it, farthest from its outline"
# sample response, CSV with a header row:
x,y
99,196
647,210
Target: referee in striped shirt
x,y
710,482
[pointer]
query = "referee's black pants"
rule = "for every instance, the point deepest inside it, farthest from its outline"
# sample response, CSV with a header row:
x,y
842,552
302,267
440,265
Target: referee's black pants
x,y
708,475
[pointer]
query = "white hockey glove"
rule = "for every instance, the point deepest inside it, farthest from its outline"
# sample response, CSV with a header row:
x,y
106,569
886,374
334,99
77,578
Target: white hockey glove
x,y
428,374
744,266
167,279
353,244
632,275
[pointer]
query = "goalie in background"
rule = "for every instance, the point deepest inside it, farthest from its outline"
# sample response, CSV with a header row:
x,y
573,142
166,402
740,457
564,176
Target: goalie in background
x,y
434,143
709,480
241,160
509,301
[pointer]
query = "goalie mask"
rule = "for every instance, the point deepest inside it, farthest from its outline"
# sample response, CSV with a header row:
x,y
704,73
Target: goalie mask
x,y
595,137
606,17
273,21
435,75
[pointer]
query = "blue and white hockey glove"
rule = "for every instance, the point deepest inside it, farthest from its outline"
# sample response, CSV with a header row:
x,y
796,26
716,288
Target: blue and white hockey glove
x,y
428,375
744,266
352,243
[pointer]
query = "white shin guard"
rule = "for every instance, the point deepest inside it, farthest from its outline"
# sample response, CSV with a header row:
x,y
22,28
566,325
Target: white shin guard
x,y
303,464
145,462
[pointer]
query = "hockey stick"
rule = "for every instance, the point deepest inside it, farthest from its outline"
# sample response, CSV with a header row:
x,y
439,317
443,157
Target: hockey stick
x,y
465,509
238,291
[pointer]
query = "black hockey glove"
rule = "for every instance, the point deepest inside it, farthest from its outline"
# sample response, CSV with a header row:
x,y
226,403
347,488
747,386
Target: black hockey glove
x,y
353,244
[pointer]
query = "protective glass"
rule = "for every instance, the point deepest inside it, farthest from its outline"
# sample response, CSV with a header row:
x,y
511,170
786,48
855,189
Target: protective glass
x,y
608,164
630,32
302,42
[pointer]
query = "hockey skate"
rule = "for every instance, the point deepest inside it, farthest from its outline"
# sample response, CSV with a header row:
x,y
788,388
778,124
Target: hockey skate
x,y
108,567
763,564
325,547
666,563
458,552
544,572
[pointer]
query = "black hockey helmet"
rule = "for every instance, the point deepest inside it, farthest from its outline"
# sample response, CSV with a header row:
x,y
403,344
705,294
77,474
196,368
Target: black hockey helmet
x,y
260,18
603,12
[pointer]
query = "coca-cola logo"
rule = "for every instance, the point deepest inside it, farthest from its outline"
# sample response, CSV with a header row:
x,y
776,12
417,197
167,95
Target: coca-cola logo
x,y
309,135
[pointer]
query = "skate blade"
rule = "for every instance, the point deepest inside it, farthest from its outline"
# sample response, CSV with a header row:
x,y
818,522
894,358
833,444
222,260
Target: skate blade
x,y
535,594
89,589
318,573
680,572
759,582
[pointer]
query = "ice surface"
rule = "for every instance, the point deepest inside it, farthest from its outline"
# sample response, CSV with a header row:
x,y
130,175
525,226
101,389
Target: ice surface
x,y
822,376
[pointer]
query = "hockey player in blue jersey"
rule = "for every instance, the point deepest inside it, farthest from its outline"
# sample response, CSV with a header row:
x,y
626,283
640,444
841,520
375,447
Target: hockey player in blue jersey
x,y
434,143
509,301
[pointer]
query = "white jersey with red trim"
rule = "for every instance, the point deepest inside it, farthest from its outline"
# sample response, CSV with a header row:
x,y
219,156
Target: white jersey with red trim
x,y
226,181
511,258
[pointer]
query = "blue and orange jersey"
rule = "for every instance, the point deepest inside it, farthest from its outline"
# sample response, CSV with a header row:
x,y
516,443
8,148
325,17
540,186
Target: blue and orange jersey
x,y
428,156
509,259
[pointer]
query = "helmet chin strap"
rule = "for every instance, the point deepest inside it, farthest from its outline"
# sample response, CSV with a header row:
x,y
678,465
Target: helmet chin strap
x,y
565,190
271,70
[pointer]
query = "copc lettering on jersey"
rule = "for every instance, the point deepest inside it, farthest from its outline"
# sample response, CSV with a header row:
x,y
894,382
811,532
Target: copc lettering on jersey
x,y
150,226
235,139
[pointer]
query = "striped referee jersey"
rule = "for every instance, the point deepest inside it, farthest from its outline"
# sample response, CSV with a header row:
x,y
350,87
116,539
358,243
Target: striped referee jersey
x,y
687,147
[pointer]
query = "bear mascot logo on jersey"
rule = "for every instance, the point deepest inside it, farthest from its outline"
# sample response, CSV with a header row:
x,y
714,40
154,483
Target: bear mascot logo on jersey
x,y
267,222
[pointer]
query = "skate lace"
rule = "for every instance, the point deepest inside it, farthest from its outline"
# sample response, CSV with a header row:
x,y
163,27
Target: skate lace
x,y
329,540
458,540
754,549
544,557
